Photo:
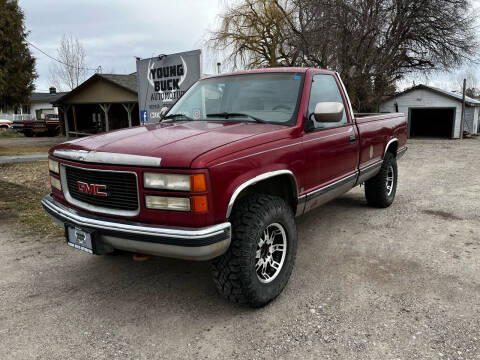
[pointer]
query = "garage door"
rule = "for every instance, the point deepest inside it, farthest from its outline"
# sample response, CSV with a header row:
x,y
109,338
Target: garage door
x,y
431,122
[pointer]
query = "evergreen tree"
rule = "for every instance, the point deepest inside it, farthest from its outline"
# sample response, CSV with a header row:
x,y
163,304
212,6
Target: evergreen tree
x,y
17,65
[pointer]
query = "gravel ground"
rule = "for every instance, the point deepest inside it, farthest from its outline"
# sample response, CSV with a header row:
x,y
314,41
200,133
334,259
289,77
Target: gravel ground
x,y
400,283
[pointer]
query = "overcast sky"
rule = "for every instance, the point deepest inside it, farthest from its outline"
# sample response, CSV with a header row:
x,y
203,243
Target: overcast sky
x,y
114,32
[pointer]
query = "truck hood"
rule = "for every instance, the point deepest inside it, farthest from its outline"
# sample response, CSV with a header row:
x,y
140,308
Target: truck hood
x,y
177,144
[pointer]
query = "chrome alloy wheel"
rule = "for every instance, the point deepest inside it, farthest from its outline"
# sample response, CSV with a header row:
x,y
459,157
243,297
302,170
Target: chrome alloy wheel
x,y
390,180
271,252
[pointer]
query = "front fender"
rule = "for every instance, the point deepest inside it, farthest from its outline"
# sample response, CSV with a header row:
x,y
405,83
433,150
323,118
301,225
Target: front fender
x,y
228,185
257,179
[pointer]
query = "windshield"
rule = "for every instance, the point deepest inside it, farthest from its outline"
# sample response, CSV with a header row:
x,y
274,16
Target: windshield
x,y
265,97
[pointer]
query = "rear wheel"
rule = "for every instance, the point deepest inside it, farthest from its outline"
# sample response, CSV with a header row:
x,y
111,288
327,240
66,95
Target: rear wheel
x,y
381,189
258,264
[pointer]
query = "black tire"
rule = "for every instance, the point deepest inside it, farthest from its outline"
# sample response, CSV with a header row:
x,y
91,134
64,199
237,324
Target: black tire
x,y
28,134
377,192
234,273
53,132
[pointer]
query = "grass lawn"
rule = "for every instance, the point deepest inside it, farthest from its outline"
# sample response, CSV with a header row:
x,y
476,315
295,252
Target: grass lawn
x,y
9,133
22,187
24,150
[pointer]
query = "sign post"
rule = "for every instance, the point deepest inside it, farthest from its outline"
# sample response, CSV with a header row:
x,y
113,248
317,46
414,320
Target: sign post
x,y
163,80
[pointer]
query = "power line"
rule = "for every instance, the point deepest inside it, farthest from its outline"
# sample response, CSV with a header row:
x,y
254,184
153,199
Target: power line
x,y
61,62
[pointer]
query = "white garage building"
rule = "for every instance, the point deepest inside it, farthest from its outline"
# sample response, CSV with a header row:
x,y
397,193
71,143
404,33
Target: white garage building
x,y
434,112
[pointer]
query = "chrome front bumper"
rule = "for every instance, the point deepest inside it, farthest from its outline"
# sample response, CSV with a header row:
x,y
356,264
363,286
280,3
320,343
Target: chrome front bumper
x,y
184,243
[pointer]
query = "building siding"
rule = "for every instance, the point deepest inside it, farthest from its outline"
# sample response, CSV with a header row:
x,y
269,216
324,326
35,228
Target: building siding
x,y
469,115
45,108
476,120
100,91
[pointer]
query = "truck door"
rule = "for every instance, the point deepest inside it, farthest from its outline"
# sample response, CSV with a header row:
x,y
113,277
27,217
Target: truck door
x,y
331,149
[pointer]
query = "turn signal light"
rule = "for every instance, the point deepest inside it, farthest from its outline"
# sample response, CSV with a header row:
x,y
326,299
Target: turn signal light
x,y
54,182
53,166
198,183
167,203
199,203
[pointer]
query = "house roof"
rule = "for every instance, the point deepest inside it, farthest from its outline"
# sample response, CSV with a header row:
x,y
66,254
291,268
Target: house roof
x,y
468,100
38,97
127,82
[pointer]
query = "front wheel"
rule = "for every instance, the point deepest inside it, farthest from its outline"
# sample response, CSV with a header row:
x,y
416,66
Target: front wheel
x,y
380,190
259,262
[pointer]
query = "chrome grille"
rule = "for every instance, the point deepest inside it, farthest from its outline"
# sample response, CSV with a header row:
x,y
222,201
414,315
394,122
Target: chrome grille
x,y
121,189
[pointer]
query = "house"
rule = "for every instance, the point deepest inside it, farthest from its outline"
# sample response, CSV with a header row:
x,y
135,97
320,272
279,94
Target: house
x,y
101,103
434,112
40,104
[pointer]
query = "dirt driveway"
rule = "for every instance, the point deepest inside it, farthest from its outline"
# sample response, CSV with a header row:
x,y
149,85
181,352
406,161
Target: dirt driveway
x,y
16,147
400,283
31,141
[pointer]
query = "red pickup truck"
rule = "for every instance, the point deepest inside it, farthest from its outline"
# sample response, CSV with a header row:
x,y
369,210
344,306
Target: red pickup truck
x,y
224,174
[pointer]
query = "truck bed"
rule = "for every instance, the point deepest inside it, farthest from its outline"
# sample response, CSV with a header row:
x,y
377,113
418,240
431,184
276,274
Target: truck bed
x,y
367,117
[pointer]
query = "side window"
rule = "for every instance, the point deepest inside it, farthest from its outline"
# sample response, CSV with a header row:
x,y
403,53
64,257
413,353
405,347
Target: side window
x,y
324,89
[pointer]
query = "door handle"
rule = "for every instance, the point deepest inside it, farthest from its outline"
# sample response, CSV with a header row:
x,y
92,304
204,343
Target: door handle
x,y
352,139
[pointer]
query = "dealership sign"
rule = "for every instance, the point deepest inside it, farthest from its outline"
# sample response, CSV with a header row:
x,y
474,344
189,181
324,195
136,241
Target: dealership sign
x,y
163,80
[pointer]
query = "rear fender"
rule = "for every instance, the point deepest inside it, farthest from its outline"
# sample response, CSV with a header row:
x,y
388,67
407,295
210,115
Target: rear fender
x,y
392,146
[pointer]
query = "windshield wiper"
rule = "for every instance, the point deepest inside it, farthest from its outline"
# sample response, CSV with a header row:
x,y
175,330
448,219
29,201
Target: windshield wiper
x,y
174,116
227,115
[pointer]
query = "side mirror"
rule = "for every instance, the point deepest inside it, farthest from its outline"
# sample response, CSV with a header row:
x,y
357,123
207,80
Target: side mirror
x,y
328,112
163,112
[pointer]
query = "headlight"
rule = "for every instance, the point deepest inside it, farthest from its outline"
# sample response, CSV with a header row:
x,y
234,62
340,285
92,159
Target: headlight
x,y
53,166
167,203
175,182
55,183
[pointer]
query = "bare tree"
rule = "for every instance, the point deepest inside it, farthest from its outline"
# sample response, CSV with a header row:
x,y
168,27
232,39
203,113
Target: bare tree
x,y
472,89
375,43
70,70
255,34
372,43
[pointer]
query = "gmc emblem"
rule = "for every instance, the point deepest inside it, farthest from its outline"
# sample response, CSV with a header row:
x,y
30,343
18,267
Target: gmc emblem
x,y
92,189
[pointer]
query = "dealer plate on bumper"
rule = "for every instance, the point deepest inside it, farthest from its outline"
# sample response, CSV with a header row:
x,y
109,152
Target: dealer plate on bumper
x,y
79,239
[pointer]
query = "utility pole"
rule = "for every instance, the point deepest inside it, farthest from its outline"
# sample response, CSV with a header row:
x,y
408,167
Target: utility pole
x,y
462,122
